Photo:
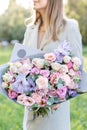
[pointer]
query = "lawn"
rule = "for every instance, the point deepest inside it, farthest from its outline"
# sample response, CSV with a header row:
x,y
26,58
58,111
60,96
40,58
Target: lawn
x,y
11,115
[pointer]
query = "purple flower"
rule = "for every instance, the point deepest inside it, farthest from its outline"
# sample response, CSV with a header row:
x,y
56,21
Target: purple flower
x,y
72,93
31,85
21,84
62,92
62,50
45,73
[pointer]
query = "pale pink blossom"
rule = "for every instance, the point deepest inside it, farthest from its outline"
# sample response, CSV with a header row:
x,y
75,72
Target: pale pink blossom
x,y
76,61
42,82
54,78
66,78
63,69
37,98
50,57
38,62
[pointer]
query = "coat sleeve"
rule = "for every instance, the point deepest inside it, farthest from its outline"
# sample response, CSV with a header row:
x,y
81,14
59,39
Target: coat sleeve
x,y
75,39
26,36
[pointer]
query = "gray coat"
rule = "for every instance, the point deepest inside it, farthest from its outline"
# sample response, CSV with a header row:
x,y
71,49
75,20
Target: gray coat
x,y
60,119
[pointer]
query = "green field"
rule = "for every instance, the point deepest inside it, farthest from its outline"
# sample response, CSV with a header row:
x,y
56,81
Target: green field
x,y
11,115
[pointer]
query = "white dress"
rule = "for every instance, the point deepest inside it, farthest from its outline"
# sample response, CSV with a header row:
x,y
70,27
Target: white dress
x,y
59,119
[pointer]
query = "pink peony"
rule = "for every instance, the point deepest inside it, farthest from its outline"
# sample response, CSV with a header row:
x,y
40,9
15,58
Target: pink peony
x,y
62,92
50,57
12,94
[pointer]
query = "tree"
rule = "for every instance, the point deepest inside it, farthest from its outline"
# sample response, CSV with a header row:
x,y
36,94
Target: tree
x,y
12,22
78,9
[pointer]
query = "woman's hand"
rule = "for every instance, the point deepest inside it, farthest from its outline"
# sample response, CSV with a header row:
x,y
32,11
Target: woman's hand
x,y
55,107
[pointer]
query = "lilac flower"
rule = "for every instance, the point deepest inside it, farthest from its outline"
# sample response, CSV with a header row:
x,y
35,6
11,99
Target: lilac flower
x,y
21,84
34,70
72,93
31,85
62,50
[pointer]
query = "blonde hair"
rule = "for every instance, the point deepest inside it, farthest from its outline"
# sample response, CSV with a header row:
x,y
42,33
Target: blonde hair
x,y
55,19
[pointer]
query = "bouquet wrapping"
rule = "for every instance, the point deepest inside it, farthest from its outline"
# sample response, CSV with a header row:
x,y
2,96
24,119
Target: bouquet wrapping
x,y
39,80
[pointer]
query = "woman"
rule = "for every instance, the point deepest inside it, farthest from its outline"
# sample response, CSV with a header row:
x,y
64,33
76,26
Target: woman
x,y
50,29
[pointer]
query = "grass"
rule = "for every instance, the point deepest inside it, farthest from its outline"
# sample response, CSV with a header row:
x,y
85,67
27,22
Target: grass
x,y
11,115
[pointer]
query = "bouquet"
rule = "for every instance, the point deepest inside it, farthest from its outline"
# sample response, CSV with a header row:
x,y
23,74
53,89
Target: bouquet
x,y
40,81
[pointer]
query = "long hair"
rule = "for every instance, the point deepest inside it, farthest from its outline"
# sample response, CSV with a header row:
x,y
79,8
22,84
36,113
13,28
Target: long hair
x,y
55,19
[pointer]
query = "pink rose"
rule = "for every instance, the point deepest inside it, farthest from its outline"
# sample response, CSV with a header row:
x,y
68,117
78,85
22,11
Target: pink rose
x,y
12,94
62,92
54,78
50,57
42,82
70,65
45,73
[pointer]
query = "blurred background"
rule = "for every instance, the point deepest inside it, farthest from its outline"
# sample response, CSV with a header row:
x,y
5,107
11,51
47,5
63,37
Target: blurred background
x,y
12,27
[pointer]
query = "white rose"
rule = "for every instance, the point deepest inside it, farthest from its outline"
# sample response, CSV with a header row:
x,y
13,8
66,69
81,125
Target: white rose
x,y
17,64
42,82
39,63
76,61
13,69
7,77
4,85
66,59
55,66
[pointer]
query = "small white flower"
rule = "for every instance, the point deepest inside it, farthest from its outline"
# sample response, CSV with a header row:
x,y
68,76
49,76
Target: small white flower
x,y
7,77
4,85
66,59
76,61
55,66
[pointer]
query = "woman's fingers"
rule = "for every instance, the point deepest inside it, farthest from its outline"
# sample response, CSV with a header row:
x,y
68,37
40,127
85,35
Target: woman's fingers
x,y
55,107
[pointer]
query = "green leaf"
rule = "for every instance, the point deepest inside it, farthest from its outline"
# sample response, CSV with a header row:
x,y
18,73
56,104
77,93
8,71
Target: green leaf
x,y
50,101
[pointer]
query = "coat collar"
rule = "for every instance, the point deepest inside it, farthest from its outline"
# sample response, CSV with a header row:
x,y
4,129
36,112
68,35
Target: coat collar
x,y
34,36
